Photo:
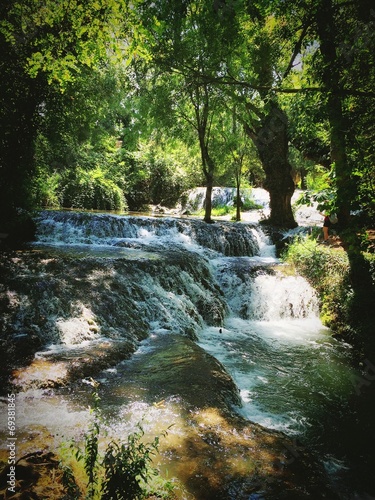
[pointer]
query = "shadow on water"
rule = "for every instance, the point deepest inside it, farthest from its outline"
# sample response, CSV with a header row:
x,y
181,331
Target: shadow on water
x,y
166,325
360,325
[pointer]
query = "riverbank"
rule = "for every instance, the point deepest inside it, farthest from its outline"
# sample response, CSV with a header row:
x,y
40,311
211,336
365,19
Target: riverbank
x,y
345,281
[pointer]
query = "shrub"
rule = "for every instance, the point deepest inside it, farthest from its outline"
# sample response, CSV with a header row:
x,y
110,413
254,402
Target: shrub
x,y
125,471
90,190
127,467
328,272
46,189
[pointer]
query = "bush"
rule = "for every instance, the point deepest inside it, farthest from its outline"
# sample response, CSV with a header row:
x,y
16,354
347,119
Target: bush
x,y
90,190
45,189
125,471
328,272
127,467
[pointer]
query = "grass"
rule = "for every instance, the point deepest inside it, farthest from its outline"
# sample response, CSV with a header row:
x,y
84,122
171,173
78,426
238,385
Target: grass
x,y
223,210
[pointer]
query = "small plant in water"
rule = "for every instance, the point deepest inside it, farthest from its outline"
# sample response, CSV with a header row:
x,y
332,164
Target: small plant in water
x,y
128,467
125,472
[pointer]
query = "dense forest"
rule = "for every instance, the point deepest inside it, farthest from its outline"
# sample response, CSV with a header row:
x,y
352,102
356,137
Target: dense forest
x,y
119,105
116,105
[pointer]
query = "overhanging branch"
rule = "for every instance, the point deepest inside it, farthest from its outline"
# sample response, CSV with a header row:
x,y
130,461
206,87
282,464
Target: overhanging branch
x,y
231,81
297,49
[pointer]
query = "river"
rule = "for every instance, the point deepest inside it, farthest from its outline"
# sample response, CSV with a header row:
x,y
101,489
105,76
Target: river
x,y
143,305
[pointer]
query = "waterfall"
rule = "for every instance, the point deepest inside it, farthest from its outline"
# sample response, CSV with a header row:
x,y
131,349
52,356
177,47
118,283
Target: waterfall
x,y
124,276
171,314
265,295
194,199
106,229
277,297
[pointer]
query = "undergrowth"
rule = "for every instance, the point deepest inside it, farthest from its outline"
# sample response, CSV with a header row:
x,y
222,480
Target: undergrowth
x,y
124,471
345,283
328,272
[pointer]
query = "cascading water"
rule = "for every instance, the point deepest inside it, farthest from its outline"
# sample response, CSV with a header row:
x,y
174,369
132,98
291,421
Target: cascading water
x,y
155,287
137,232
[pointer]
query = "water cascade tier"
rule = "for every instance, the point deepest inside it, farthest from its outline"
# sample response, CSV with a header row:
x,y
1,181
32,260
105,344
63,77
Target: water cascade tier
x,y
139,232
185,323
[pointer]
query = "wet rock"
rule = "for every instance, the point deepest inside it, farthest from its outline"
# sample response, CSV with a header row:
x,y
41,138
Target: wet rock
x,y
214,452
179,367
66,366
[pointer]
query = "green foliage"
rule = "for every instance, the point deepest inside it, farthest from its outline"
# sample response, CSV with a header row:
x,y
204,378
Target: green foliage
x,y
308,129
46,188
124,472
158,174
222,210
188,75
69,482
318,179
249,204
324,198
328,271
90,190
91,457
88,33
127,467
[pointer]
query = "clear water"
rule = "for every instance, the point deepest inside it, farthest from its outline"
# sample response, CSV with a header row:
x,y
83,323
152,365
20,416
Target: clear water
x,y
291,374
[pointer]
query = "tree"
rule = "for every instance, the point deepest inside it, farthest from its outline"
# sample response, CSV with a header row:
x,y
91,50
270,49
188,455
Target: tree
x,y
236,153
44,46
180,48
252,72
248,74
201,101
330,76
337,74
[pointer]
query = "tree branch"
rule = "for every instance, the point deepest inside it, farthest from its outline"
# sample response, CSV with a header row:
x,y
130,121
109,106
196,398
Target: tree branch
x,y
281,90
297,49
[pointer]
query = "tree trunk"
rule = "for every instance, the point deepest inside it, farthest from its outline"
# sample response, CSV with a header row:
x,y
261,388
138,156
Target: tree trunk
x,y
238,199
208,169
271,141
331,80
339,159
208,199
303,175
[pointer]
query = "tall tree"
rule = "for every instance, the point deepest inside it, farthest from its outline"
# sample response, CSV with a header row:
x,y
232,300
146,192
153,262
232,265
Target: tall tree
x,y
330,76
204,109
180,47
215,44
44,44
254,71
237,153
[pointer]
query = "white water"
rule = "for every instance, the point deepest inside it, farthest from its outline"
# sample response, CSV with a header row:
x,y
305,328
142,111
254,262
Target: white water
x,y
284,362
289,369
291,374
272,342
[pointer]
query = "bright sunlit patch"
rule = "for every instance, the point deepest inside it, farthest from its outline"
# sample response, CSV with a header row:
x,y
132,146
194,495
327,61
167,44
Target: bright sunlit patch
x,y
40,370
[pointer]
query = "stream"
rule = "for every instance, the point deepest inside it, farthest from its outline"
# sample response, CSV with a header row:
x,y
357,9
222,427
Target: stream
x,y
150,308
